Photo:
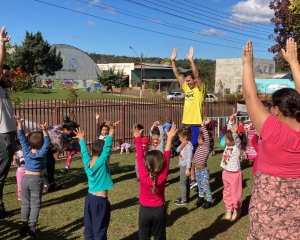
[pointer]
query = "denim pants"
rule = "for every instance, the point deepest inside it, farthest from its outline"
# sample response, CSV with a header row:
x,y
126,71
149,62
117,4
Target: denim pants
x,y
31,190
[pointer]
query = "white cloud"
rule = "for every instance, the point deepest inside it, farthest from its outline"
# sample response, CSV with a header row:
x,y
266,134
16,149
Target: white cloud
x,y
90,24
93,3
110,10
253,10
212,32
80,37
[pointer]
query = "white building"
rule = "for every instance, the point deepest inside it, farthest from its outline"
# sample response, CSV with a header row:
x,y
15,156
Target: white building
x,y
229,72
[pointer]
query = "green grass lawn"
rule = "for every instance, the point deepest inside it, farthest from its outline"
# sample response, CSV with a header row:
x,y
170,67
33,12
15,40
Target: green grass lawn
x,y
61,215
45,94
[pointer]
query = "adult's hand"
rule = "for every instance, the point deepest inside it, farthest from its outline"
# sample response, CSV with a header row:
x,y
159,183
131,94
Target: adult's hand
x,y
248,53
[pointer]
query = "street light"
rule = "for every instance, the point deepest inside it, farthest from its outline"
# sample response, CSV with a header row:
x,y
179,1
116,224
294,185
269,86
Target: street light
x,y
141,61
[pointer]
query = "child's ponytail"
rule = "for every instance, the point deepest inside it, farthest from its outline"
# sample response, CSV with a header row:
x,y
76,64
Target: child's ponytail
x,y
154,161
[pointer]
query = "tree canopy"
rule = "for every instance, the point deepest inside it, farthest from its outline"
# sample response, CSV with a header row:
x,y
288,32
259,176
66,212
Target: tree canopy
x,y
35,56
112,78
286,24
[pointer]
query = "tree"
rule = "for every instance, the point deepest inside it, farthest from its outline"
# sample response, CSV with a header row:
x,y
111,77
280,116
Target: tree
x,y
112,78
285,26
166,61
153,85
36,57
295,6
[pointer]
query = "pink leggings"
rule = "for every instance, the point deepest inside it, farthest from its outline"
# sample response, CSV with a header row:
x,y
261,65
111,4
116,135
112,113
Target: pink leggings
x,y
19,176
69,157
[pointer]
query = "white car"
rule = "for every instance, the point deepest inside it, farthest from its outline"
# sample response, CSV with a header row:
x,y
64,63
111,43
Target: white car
x,y
179,96
211,98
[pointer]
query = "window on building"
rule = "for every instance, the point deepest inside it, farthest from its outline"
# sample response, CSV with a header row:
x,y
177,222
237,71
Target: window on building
x,y
266,69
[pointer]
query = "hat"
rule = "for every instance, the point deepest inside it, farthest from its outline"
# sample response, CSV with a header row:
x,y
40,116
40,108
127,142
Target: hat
x,y
241,128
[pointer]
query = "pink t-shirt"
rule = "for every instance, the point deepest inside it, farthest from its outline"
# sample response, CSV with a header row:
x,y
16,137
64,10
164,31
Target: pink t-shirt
x,y
146,197
279,149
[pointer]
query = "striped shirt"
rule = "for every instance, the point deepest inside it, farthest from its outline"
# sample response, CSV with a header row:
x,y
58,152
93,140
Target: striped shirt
x,y
202,151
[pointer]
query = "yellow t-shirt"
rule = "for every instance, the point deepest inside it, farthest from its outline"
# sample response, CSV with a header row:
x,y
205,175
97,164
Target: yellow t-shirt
x,y
194,98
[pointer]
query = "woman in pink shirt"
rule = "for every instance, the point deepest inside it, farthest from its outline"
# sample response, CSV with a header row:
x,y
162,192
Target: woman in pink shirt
x,y
274,207
153,171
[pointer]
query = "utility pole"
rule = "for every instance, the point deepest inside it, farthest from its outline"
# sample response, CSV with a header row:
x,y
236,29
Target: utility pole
x,y
141,80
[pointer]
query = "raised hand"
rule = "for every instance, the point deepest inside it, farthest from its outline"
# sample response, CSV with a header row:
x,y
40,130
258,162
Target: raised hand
x,y
42,126
232,117
135,131
18,118
3,36
174,54
172,131
97,116
79,133
248,53
290,54
190,54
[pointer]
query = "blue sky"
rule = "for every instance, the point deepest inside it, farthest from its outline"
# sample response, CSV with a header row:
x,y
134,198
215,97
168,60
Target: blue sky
x,y
215,28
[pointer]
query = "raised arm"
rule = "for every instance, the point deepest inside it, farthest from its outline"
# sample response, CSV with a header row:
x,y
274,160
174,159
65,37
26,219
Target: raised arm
x,y
235,135
193,66
21,135
4,38
170,134
177,74
138,143
291,56
256,110
86,158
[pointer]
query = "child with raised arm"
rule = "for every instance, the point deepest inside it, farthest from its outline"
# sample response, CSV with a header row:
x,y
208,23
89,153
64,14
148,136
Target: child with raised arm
x,y
34,149
205,146
97,206
232,175
153,169
157,136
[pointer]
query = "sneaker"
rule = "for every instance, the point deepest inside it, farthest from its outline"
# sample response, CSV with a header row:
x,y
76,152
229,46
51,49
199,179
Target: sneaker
x,y
228,214
236,214
64,170
31,232
206,205
199,202
3,214
180,202
23,231
193,184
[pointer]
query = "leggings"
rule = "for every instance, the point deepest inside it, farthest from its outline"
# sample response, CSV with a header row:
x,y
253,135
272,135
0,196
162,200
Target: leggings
x,y
202,177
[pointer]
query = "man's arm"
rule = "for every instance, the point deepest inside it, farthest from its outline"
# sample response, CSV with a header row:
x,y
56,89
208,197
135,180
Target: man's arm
x,y
3,39
194,68
177,74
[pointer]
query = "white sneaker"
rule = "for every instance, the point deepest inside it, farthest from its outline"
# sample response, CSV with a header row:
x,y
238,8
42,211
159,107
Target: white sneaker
x,y
236,214
228,214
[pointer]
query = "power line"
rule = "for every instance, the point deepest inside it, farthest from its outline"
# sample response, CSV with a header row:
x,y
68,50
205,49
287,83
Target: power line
x,y
128,25
214,10
172,14
171,25
199,13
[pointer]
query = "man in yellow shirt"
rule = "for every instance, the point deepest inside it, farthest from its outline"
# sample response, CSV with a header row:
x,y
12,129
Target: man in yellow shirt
x,y
195,93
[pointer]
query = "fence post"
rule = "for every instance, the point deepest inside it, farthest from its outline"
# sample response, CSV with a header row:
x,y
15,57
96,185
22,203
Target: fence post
x,y
57,115
171,112
123,122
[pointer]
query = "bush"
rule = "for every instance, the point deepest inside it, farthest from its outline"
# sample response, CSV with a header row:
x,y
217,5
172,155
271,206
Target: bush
x,y
231,98
21,81
153,85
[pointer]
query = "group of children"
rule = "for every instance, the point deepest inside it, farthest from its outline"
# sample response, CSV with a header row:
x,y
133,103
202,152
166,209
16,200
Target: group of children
x,y
152,163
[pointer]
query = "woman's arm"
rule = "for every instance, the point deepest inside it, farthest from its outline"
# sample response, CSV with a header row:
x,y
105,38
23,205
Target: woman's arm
x,y
256,110
291,56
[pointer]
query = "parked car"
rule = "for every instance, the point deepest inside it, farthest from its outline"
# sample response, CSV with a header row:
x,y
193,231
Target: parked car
x,y
179,96
211,98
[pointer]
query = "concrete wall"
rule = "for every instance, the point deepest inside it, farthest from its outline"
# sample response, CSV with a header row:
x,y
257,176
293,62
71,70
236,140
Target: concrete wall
x,y
230,71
